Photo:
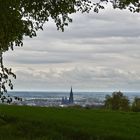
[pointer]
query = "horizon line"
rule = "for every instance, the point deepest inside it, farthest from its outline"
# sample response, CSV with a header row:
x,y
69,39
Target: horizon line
x,y
69,90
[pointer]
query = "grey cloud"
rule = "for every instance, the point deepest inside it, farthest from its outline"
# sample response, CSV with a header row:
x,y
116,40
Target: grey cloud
x,y
97,51
100,25
93,78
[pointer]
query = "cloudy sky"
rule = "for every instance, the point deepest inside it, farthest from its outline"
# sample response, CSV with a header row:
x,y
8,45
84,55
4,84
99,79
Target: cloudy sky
x,y
97,52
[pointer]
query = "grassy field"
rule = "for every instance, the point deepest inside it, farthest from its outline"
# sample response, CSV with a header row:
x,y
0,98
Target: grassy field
x,y
38,123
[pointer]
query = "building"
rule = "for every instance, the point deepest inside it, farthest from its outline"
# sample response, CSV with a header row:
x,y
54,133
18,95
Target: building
x,y
71,97
68,101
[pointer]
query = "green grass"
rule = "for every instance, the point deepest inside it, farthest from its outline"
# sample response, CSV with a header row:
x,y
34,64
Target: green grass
x,y
39,123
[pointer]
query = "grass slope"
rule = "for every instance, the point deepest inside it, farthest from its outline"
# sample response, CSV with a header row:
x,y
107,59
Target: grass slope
x,y
38,123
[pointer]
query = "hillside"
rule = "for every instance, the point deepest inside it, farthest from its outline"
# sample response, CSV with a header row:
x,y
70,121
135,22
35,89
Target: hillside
x,y
40,123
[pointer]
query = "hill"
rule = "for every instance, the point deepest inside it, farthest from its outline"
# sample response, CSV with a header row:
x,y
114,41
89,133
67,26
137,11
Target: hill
x,y
42,123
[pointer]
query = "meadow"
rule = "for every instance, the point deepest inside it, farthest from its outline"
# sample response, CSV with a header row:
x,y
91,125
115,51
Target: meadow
x,y
46,123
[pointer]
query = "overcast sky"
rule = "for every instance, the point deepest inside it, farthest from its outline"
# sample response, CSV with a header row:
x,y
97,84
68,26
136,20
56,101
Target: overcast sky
x,y
97,52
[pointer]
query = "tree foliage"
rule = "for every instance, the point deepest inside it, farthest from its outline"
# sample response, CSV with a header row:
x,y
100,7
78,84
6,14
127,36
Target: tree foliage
x,y
131,5
5,80
117,101
136,105
24,17
20,18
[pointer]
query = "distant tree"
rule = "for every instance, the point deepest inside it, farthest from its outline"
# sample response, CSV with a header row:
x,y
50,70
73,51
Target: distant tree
x,y
117,101
136,105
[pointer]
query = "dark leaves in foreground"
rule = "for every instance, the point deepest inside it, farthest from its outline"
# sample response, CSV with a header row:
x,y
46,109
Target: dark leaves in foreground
x,y
21,18
5,81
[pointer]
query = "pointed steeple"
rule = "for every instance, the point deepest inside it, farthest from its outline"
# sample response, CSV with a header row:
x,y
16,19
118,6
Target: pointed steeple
x,y
71,90
71,96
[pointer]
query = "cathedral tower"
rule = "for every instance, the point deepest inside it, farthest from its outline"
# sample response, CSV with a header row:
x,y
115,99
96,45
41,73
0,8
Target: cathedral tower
x,y
71,97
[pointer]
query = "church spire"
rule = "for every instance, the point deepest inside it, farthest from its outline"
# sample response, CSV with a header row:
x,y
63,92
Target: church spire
x,y
71,90
69,101
71,96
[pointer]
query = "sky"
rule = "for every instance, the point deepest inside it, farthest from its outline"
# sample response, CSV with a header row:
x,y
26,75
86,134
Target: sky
x,y
97,52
